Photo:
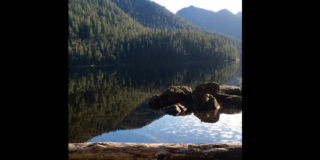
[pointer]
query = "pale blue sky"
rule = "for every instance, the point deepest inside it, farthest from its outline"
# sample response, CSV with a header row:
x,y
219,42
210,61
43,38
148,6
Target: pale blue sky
x,y
214,5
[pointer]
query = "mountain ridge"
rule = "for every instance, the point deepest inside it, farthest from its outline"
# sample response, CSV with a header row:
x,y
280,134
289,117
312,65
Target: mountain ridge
x,y
100,32
223,21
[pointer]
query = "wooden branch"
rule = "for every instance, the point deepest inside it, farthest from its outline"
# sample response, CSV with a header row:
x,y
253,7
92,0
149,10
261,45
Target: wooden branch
x,y
154,151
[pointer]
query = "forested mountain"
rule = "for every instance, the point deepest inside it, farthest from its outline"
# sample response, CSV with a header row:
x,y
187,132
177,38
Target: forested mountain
x,y
222,21
153,15
99,32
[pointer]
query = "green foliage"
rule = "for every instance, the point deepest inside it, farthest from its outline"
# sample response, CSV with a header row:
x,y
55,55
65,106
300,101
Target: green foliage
x,y
153,15
100,32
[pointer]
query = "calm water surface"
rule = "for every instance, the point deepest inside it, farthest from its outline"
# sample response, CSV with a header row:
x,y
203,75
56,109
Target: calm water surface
x,y
110,104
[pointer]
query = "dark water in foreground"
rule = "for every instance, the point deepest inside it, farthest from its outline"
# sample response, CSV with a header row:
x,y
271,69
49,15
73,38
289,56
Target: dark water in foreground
x,y
110,104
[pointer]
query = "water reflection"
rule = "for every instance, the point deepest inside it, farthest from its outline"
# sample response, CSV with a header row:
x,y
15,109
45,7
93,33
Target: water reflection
x,y
213,116
181,129
112,102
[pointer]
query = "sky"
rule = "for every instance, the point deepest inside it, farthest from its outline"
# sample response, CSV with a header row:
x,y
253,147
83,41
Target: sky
x,y
233,6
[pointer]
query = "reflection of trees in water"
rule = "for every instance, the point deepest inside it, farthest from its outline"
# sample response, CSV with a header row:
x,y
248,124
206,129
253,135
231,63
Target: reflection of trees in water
x,y
105,99
139,117
237,78
97,112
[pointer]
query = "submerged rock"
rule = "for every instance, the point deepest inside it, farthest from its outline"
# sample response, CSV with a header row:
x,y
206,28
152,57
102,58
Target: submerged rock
x,y
155,102
202,89
231,90
209,102
226,100
204,101
211,116
174,109
174,94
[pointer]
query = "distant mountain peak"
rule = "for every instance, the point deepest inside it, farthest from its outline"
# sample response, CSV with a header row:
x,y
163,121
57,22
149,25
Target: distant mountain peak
x,y
222,21
239,13
225,11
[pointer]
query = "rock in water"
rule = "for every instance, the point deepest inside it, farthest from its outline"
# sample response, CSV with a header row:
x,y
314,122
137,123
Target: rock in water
x,y
209,102
226,100
174,109
231,90
211,116
155,102
206,97
175,94
210,88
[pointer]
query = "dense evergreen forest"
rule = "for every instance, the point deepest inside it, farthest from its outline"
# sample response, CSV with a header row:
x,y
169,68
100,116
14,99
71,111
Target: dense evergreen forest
x,y
99,32
153,15
222,21
102,100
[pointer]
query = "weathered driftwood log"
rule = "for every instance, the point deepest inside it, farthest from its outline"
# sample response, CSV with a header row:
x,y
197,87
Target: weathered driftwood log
x,y
155,151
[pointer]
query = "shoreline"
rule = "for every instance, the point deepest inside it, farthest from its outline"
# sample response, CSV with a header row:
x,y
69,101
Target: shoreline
x,y
152,64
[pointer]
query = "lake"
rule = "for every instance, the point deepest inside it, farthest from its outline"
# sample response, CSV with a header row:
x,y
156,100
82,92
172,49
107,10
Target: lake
x,y
110,104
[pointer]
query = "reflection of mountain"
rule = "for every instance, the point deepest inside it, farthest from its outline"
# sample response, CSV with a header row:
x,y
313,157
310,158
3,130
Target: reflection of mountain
x,y
139,117
106,99
89,117
237,78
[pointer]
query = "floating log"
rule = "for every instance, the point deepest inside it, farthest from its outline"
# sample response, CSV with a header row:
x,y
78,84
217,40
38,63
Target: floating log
x,y
154,151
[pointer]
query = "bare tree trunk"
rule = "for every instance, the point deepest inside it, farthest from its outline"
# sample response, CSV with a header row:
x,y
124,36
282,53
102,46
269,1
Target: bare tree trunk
x,y
154,151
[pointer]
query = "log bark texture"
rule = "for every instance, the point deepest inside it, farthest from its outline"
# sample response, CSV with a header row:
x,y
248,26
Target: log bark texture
x,y
154,151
